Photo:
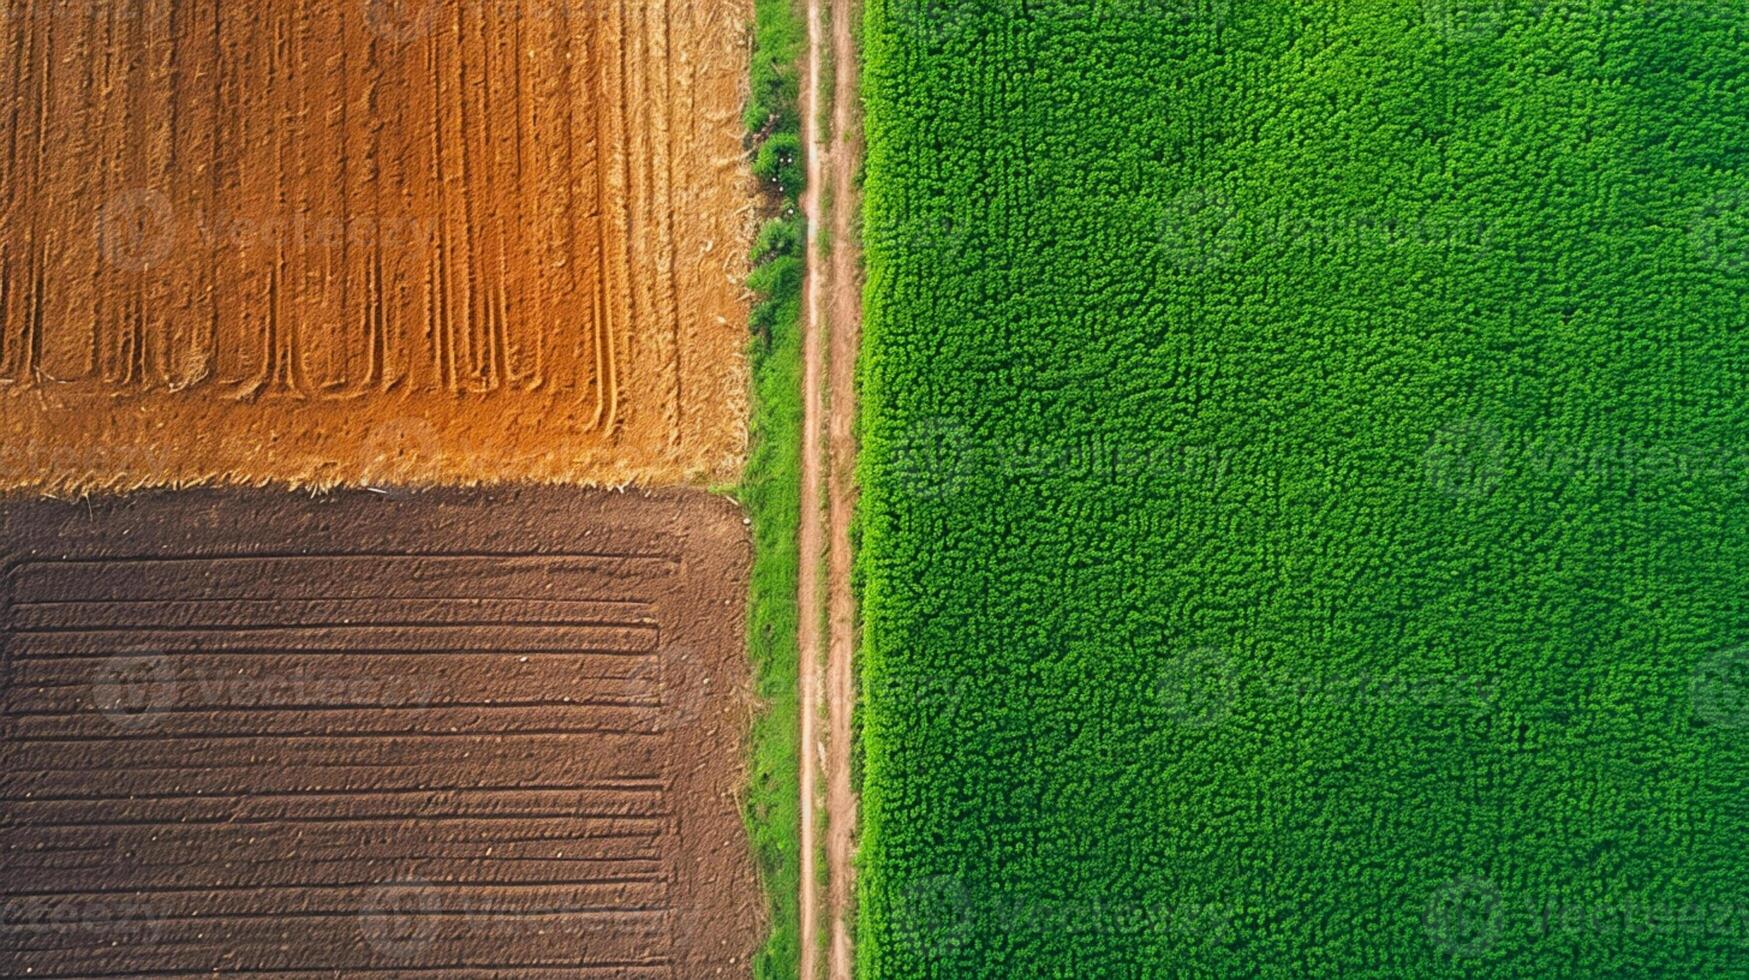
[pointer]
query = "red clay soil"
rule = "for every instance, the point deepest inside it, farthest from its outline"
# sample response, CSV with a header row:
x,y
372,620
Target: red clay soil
x,y
332,242
455,733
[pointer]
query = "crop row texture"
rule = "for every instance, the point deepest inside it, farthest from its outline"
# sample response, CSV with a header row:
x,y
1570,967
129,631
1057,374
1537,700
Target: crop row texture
x,y
1306,489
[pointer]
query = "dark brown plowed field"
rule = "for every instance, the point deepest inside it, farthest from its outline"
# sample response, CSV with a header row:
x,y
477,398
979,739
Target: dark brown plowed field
x,y
457,733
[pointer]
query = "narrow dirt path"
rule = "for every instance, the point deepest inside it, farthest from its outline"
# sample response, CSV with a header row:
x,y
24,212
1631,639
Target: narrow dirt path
x,y
846,330
833,331
811,533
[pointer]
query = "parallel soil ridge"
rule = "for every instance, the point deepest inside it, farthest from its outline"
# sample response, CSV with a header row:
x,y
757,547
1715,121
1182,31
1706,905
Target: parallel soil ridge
x,y
487,733
363,241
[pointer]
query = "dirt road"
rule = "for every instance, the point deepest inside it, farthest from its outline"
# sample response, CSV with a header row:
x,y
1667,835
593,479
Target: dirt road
x,y
833,330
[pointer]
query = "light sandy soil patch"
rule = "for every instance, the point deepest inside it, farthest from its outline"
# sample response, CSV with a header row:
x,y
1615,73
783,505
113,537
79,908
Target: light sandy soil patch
x,y
371,241
459,733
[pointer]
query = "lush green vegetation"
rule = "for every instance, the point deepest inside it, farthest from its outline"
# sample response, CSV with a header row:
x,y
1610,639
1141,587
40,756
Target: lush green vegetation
x,y
771,487
1306,488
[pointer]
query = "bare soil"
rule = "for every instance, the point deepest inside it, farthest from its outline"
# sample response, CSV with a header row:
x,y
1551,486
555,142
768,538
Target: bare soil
x,y
328,242
846,304
811,530
834,328
461,733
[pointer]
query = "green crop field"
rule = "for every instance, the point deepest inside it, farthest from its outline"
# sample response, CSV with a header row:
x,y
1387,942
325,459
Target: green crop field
x,y
1305,522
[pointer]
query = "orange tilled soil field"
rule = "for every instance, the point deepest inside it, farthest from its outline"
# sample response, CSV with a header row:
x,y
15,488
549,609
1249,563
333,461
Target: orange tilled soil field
x,y
334,242
453,733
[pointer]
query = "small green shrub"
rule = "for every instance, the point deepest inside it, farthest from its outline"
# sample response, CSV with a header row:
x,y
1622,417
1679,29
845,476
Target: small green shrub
x,y
779,163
